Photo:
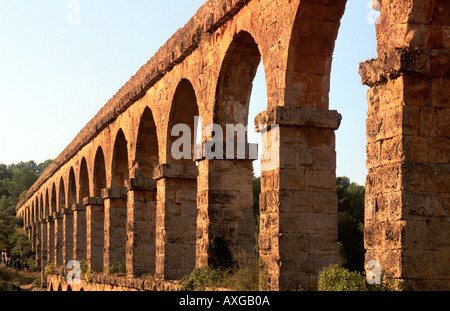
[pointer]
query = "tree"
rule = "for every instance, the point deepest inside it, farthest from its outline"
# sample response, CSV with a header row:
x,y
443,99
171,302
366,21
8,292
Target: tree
x,y
15,180
350,223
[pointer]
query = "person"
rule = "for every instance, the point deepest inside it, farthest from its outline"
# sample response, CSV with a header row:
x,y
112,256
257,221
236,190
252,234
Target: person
x,y
4,257
25,265
17,263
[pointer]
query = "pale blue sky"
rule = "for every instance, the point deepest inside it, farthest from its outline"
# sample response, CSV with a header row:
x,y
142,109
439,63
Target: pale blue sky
x,y
55,76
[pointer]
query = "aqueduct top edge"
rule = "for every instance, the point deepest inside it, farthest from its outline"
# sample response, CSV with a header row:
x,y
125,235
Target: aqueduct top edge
x,y
210,16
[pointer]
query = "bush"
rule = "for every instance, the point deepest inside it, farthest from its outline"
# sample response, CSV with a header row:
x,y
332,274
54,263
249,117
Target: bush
x,y
244,275
118,269
335,278
6,286
37,283
201,278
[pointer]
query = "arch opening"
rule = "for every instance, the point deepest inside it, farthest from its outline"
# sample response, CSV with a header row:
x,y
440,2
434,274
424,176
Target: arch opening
x,y
68,221
180,191
231,109
142,200
59,222
115,207
95,215
79,216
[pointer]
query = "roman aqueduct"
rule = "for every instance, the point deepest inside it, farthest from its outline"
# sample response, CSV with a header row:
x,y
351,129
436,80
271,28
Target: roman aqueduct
x,y
116,195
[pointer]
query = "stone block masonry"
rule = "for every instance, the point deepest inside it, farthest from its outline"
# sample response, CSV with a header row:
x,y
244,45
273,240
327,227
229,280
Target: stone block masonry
x,y
407,224
118,199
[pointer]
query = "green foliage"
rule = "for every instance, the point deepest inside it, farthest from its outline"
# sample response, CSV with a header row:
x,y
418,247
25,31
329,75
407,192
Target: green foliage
x,y
6,286
15,180
201,278
244,275
350,224
118,269
37,283
10,279
336,278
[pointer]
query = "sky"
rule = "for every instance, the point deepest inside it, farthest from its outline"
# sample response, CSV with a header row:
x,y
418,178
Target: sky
x,y
58,68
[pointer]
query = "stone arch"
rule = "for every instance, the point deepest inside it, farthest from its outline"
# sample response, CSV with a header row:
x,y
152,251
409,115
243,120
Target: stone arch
x,y
142,199
83,181
115,204
35,209
71,189
34,222
51,223
59,222
235,81
120,166
95,214
177,183
147,151
53,200
310,53
44,229
79,220
68,217
231,179
99,175
41,214
61,196
46,204
183,110
306,169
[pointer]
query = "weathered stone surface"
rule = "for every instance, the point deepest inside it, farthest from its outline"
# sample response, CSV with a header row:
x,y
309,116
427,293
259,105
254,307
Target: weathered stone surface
x,y
407,184
161,212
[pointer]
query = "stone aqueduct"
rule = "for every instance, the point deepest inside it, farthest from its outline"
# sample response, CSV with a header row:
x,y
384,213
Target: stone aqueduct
x,y
115,195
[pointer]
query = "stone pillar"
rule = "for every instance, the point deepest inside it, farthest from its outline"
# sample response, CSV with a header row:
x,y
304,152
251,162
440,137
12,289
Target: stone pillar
x,y
67,235
298,201
37,247
32,235
115,204
176,220
43,250
50,239
79,232
95,216
407,223
59,227
225,224
141,213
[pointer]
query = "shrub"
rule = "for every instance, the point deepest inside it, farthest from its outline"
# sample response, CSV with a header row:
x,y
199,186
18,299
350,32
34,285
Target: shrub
x,y
6,286
118,268
336,278
36,283
201,278
244,275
